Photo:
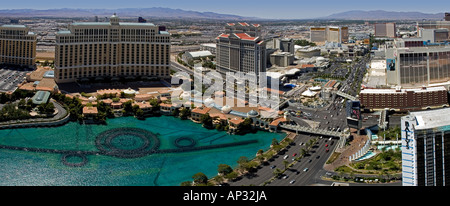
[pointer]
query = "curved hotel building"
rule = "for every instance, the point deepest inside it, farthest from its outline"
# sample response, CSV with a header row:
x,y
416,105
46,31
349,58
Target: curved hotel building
x,y
17,45
90,50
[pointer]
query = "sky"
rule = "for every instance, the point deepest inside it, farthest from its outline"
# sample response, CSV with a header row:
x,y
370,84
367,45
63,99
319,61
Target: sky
x,y
274,9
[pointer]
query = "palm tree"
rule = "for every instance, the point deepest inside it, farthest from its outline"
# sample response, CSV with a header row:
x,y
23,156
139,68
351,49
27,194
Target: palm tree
x,y
303,152
277,172
285,163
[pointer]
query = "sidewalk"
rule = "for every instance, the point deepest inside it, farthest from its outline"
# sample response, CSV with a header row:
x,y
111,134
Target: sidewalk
x,y
355,145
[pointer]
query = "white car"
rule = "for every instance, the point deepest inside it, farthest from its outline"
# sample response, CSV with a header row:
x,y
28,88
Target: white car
x,y
292,181
285,157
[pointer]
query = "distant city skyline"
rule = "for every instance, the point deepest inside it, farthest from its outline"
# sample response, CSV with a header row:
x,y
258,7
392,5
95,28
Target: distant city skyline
x,y
286,9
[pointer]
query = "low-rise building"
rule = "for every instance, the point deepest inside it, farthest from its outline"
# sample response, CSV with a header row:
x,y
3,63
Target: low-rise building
x,y
404,99
195,55
89,112
197,113
146,107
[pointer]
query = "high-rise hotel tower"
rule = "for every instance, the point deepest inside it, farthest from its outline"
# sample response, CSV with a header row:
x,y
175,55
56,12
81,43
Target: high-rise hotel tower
x,y
17,45
426,148
241,52
90,50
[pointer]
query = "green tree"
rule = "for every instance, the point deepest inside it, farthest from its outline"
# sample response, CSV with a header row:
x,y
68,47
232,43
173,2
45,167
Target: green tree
x,y
49,108
135,108
303,42
186,183
185,113
206,120
242,162
139,113
275,142
22,104
285,163
231,175
224,169
200,178
127,107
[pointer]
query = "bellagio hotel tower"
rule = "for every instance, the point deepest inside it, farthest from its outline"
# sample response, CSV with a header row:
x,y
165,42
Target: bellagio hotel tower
x,y
113,49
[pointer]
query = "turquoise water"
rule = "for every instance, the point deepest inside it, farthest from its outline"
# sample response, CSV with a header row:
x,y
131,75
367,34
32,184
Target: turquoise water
x,y
388,147
368,155
20,167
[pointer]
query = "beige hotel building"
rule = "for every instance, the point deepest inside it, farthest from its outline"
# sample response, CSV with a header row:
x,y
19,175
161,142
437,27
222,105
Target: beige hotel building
x,y
17,45
91,50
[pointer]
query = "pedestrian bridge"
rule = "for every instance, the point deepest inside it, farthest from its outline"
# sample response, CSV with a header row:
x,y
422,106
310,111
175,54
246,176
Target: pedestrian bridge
x,y
348,96
317,131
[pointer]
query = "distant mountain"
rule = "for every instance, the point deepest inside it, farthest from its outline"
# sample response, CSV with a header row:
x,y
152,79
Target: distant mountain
x,y
383,15
125,12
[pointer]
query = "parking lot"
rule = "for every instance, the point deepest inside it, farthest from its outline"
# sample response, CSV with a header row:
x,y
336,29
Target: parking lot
x,y
10,77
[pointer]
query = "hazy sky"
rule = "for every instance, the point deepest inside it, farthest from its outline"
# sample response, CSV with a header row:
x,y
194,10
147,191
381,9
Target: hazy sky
x,y
277,9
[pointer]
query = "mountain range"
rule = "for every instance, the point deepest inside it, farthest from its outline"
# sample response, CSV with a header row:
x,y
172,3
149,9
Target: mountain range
x,y
383,15
159,12
124,12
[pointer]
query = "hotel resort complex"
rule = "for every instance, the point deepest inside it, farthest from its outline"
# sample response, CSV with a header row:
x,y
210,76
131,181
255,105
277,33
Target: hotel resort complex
x,y
111,49
17,45
240,49
347,92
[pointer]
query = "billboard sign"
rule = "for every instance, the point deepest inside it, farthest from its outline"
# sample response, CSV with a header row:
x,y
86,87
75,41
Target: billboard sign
x,y
390,64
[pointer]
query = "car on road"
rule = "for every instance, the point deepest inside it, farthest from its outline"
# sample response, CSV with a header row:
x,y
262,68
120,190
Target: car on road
x,y
326,150
292,181
285,157
285,177
273,166
295,154
306,169
326,145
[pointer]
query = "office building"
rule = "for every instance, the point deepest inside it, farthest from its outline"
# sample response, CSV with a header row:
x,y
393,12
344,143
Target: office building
x,y
17,45
426,148
93,50
385,30
404,99
329,34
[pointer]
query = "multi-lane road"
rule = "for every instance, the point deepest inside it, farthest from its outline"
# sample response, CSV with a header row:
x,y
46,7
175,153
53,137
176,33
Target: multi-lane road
x,y
313,160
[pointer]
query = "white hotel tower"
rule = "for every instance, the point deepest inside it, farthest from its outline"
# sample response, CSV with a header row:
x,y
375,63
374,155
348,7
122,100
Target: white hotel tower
x,y
426,148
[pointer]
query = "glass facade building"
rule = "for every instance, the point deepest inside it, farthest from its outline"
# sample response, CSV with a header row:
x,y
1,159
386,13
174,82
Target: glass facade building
x,y
425,148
